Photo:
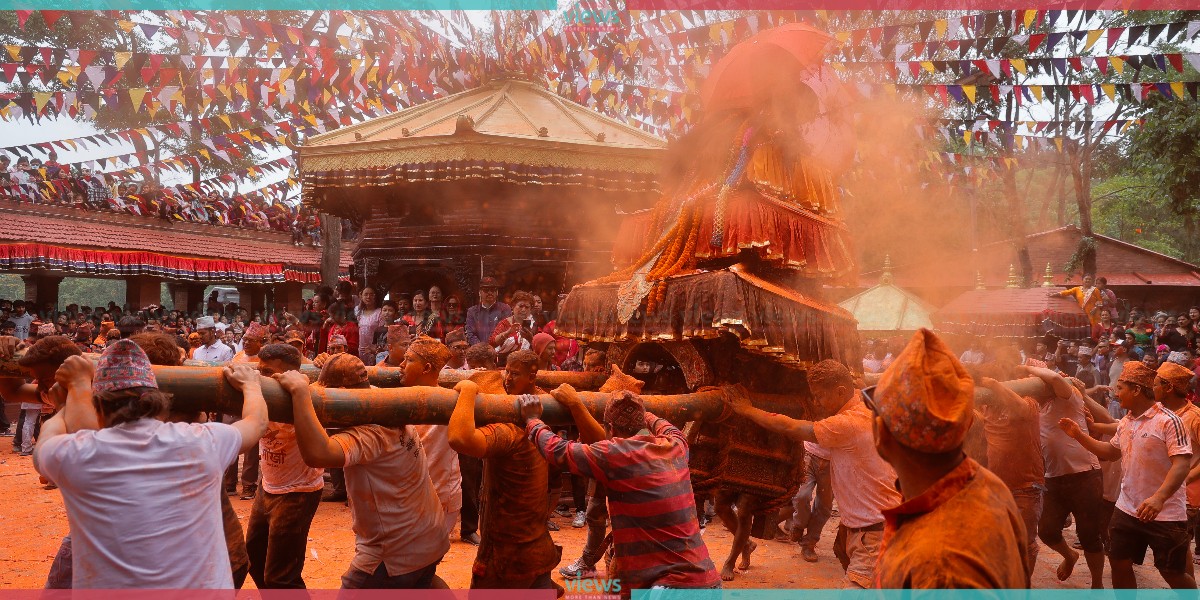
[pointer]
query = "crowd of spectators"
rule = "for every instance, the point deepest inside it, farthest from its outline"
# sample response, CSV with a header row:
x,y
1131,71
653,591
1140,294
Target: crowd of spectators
x,y
52,183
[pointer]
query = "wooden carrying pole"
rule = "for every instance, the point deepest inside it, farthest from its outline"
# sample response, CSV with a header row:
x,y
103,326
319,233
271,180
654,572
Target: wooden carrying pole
x,y
205,389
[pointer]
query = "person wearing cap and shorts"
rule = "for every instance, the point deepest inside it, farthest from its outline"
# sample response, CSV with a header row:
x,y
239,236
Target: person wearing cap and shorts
x,y
108,450
958,526
643,468
397,519
1171,389
1155,452
483,317
862,482
211,348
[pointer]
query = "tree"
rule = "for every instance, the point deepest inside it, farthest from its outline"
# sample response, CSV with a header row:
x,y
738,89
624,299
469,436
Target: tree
x,y
1166,149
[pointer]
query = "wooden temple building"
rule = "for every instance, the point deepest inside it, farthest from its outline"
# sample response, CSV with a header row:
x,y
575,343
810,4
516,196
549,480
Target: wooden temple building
x,y
507,180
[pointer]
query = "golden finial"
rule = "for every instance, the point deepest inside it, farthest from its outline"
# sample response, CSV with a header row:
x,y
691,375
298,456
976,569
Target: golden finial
x,y
1012,277
886,277
979,285
1048,278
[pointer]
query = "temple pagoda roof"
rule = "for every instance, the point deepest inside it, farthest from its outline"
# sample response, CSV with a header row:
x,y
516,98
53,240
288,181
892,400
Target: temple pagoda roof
x,y
888,308
506,121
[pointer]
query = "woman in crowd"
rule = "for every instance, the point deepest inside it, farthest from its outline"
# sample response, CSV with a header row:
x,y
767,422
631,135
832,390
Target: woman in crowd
x,y
370,321
515,332
422,320
456,313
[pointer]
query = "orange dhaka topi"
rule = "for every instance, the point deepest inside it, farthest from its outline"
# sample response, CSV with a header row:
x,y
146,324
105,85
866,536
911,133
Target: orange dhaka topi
x,y
926,398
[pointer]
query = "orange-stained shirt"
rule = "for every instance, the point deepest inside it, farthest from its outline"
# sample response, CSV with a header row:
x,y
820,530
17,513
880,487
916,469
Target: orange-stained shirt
x,y
512,517
962,532
1190,415
1014,443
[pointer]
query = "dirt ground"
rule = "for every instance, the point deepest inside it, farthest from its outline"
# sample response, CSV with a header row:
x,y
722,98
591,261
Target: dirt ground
x,y
34,521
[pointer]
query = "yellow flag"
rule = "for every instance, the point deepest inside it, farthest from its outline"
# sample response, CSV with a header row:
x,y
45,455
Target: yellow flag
x,y
842,36
126,25
1037,92
969,90
1177,87
136,95
1058,142
940,27
968,135
121,58
204,153
14,51
1110,90
1030,17
1092,36
1118,65
225,120
41,98
1018,64
928,66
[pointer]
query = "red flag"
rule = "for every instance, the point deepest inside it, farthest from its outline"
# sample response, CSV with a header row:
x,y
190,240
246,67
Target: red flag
x,y
51,17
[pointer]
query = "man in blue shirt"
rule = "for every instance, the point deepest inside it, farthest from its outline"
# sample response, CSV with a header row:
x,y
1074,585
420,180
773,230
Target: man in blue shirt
x,y
483,317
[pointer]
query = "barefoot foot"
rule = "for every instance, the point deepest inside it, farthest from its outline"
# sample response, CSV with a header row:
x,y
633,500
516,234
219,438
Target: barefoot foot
x,y
1067,566
744,564
727,572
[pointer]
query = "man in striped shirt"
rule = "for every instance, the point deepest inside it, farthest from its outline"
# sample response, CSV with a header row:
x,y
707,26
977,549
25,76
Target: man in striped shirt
x,y
643,465
1155,453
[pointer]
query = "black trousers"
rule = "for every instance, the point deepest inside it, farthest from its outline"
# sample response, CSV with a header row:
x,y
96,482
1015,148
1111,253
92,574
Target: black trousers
x,y
277,537
472,481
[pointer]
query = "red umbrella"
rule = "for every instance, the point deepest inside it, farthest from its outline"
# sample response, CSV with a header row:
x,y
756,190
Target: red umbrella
x,y
762,65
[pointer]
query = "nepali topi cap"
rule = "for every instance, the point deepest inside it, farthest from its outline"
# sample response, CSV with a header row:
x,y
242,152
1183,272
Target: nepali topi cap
x,y
123,365
1136,372
926,398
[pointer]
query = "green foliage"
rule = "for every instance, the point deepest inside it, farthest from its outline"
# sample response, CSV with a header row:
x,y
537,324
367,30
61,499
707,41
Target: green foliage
x,y
11,287
1167,149
1130,207
88,291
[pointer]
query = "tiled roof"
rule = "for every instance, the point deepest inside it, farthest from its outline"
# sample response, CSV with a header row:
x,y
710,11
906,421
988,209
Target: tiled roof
x,y
1122,263
75,228
1010,301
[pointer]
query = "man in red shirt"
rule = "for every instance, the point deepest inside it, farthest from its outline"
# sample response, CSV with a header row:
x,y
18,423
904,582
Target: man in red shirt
x,y
643,468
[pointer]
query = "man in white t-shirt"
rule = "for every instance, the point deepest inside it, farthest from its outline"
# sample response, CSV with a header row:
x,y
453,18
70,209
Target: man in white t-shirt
x,y
211,348
862,482
1155,453
287,500
1074,483
396,515
423,362
22,319
122,455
